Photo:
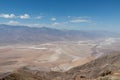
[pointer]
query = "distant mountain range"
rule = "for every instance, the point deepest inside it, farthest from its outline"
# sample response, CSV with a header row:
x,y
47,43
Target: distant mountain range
x,y
23,34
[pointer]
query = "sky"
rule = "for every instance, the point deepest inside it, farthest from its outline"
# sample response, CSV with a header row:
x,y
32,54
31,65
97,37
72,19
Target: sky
x,y
62,14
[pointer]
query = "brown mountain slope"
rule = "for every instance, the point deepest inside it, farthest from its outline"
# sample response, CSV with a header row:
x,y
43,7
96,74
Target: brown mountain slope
x,y
106,65
104,68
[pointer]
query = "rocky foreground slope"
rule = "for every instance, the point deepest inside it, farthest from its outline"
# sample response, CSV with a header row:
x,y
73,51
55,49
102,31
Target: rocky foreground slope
x,y
104,68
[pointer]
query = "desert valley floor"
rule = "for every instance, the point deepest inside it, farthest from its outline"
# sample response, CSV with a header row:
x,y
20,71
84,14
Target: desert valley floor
x,y
57,56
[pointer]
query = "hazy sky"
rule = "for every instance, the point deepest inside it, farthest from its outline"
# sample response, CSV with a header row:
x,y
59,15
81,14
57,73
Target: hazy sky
x,y
63,14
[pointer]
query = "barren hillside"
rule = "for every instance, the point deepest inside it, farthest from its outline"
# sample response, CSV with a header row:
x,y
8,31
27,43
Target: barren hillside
x,y
104,68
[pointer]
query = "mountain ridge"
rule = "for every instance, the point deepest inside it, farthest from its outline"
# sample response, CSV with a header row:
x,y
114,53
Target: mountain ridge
x,y
23,34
